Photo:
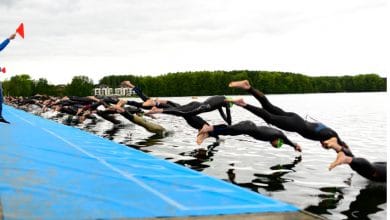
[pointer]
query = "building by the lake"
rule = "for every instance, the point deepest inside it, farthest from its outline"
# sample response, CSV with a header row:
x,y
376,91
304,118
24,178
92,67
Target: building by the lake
x,y
104,90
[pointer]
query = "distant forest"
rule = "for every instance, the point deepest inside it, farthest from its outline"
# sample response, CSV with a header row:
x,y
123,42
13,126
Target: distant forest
x,y
206,83
202,83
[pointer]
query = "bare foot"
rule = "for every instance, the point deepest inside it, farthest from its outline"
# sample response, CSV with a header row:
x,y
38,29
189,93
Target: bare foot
x,y
201,137
116,108
161,101
127,84
149,102
340,159
331,143
204,133
244,84
154,110
239,102
206,128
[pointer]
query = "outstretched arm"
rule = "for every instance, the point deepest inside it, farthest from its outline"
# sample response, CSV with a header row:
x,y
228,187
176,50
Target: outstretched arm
x,y
4,44
6,41
287,141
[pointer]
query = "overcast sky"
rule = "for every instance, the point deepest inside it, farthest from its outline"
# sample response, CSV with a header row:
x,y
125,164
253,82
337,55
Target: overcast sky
x,y
65,38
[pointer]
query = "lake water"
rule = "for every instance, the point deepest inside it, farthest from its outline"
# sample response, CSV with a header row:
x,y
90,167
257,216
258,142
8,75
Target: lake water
x,y
301,179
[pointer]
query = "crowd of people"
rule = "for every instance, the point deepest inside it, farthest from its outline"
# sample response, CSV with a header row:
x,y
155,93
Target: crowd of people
x,y
108,107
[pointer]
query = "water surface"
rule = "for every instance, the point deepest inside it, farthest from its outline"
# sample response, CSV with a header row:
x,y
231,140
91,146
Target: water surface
x,y
300,179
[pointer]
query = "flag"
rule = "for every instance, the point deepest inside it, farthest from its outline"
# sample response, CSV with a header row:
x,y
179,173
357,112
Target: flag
x,y
20,30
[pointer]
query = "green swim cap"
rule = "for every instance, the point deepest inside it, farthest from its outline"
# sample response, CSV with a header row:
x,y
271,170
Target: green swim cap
x,y
280,143
229,99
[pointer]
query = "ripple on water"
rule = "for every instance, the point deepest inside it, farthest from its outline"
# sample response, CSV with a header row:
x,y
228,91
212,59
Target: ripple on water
x,y
300,179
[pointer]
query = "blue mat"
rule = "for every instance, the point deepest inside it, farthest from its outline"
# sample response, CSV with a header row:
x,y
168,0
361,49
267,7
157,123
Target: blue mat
x,y
52,171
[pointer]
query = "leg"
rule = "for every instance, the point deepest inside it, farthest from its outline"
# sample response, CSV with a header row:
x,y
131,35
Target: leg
x,y
110,100
195,122
244,84
372,171
210,104
194,108
127,83
226,117
149,126
184,110
140,94
244,127
203,133
289,122
107,116
265,103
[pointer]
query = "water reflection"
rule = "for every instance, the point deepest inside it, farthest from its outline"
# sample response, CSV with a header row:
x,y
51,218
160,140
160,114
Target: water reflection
x,y
270,182
112,132
142,145
199,157
90,125
330,197
152,140
367,202
329,194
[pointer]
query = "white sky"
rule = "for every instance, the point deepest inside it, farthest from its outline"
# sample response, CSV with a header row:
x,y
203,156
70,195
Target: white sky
x,y
95,38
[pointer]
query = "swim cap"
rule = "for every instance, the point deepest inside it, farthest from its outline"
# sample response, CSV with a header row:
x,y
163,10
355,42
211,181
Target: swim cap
x,y
230,101
280,143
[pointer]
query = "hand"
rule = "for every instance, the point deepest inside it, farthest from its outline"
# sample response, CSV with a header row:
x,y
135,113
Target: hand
x,y
12,36
298,148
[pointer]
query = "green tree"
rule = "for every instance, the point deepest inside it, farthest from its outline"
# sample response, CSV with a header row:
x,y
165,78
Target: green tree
x,y
80,86
203,83
19,85
42,87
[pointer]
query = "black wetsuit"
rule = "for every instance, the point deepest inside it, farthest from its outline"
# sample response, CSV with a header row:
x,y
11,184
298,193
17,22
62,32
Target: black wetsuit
x,y
140,94
376,171
108,115
194,108
69,109
290,121
262,133
193,120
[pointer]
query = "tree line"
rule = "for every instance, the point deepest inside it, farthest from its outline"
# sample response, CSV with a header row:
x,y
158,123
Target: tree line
x,y
201,83
23,85
204,83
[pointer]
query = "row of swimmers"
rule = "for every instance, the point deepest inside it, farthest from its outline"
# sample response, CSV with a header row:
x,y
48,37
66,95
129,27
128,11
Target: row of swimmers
x,y
88,107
